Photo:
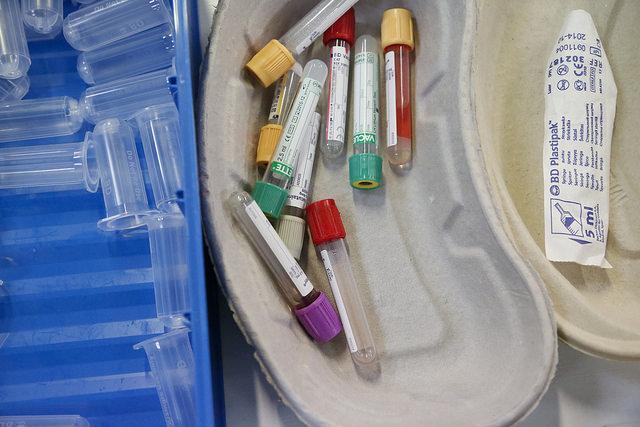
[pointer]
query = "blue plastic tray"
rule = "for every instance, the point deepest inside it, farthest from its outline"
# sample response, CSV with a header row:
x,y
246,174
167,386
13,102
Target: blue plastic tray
x,y
79,299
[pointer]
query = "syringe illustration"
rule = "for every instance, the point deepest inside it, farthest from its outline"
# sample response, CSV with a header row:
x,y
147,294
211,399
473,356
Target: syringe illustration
x,y
569,221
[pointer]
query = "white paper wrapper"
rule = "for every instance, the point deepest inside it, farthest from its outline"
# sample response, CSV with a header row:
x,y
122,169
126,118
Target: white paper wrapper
x,y
580,96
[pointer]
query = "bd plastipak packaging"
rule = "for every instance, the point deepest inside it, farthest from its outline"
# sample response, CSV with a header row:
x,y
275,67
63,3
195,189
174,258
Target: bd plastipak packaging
x,y
580,96
596,309
14,53
469,316
42,16
278,56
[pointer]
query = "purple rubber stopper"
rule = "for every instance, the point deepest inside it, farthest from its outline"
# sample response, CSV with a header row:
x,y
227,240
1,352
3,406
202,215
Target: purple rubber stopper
x,y
320,319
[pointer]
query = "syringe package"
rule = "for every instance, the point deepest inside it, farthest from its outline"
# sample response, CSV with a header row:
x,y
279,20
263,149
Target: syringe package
x,y
580,96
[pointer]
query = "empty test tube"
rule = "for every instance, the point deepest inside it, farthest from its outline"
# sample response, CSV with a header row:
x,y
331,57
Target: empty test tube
x,y
327,233
311,307
167,242
338,38
148,51
14,53
397,43
14,90
39,118
42,16
159,127
63,166
283,96
43,421
123,188
107,21
123,98
273,60
365,165
271,192
292,226
173,367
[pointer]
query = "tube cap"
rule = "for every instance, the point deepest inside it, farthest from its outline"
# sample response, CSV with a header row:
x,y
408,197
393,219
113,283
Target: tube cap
x,y
325,223
270,198
397,28
291,229
320,319
271,62
365,171
269,137
344,29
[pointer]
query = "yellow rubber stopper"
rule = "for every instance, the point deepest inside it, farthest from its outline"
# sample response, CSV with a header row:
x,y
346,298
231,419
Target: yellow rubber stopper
x,y
269,137
397,28
271,62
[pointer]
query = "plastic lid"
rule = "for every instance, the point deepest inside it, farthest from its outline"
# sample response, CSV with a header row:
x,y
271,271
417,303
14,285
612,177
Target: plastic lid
x,y
291,230
271,62
325,223
343,29
397,28
270,198
365,171
269,137
320,319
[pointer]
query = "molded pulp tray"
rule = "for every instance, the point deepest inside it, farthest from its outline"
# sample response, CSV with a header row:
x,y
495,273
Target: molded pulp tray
x,y
465,332
79,299
597,309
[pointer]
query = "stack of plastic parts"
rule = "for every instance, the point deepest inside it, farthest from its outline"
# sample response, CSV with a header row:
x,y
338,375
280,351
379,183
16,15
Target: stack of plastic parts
x,y
128,49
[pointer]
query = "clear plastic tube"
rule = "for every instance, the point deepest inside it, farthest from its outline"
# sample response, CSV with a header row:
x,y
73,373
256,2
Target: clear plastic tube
x,y
399,123
43,421
14,53
34,36
42,16
63,166
123,188
271,192
292,226
327,233
107,21
313,24
123,98
173,366
337,104
167,243
39,118
14,90
148,51
160,133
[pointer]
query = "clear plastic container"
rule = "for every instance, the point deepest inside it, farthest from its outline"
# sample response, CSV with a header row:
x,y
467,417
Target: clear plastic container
x,y
108,21
59,166
14,53
148,51
271,192
169,264
42,16
123,98
328,233
39,118
159,127
172,365
311,307
43,421
123,188
14,90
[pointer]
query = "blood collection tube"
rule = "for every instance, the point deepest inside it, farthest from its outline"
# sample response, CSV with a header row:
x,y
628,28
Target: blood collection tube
x,y
397,43
282,99
277,56
311,307
271,192
292,226
327,233
365,165
339,38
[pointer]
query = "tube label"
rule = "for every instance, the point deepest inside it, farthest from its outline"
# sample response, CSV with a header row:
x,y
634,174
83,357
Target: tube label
x,y
580,98
346,324
299,191
295,129
279,249
338,91
365,108
278,98
390,74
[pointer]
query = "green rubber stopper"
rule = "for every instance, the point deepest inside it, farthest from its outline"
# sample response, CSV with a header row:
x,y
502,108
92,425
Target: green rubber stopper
x,y
365,171
270,198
